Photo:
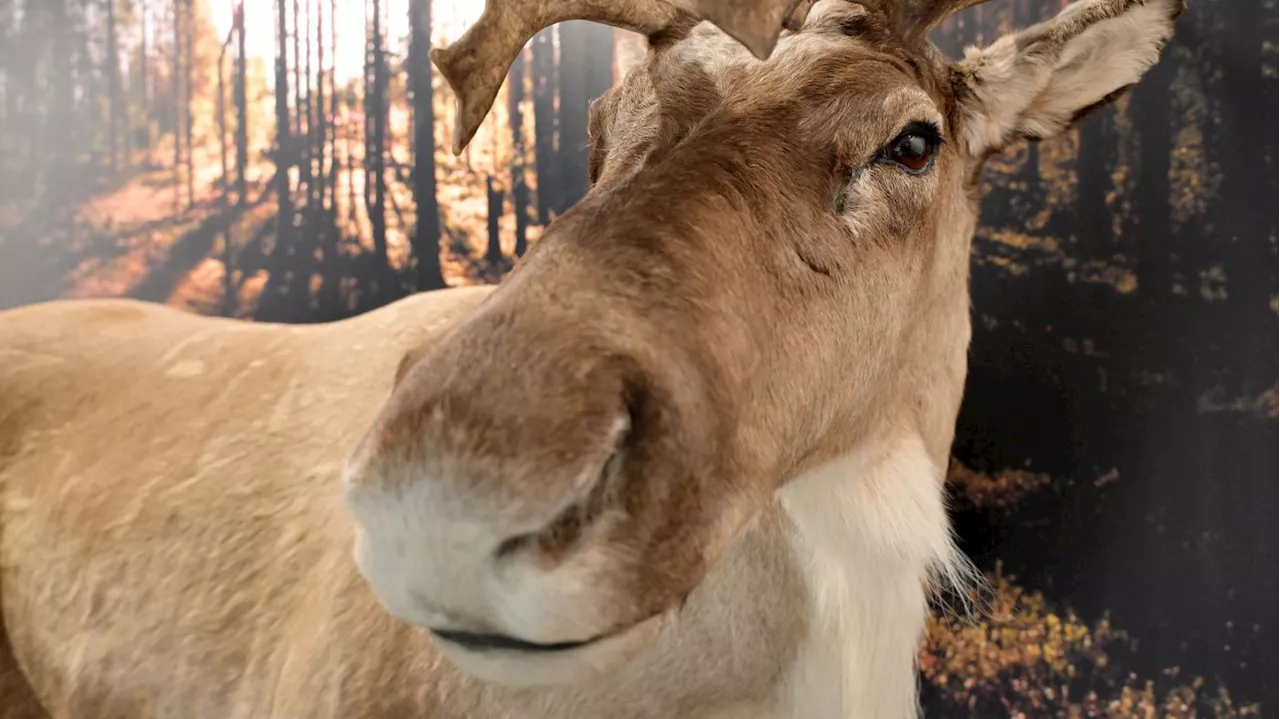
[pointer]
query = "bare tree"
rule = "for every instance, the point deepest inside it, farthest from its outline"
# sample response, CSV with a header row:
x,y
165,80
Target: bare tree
x,y
177,78
320,136
544,119
144,71
303,25
225,180
571,159
519,186
284,140
426,236
495,197
333,105
298,127
242,107
375,145
113,85
188,89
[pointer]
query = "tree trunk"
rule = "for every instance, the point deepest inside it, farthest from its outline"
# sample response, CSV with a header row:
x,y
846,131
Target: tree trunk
x,y
64,95
144,69
495,197
284,140
599,60
544,120
1092,216
176,87
308,167
375,153
333,108
242,108
298,128
1242,64
188,86
519,187
571,170
426,236
222,114
1151,104
321,135
113,86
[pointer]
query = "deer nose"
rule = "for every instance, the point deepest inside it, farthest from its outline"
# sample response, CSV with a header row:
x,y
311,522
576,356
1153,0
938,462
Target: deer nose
x,y
587,501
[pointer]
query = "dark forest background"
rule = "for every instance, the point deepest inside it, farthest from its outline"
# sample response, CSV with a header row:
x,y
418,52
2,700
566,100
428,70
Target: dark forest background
x,y
1115,464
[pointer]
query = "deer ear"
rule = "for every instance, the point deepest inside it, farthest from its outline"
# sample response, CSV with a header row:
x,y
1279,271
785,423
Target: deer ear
x,y
1037,82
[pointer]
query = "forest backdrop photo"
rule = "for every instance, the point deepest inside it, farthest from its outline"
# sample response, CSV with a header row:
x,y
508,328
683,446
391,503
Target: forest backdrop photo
x,y
1115,464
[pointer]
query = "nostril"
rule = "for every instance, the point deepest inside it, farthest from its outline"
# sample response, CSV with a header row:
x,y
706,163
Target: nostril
x,y
511,545
564,532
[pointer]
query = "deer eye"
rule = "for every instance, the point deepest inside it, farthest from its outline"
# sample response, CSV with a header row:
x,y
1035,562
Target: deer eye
x,y
915,149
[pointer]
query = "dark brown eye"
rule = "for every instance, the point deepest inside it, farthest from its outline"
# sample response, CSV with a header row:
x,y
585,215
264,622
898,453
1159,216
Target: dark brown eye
x,y
913,150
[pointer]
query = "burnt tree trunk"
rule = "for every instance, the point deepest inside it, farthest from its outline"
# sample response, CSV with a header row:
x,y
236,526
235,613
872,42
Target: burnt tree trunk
x,y
426,235
544,119
519,187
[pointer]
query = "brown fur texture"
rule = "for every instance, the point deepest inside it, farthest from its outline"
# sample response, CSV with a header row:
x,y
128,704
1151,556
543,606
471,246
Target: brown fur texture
x,y
748,296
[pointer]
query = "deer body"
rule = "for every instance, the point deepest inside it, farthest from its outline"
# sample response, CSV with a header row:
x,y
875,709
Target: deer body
x,y
236,590
685,461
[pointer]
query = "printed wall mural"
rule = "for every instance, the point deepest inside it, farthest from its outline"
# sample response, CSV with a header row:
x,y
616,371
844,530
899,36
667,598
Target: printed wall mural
x,y
1115,466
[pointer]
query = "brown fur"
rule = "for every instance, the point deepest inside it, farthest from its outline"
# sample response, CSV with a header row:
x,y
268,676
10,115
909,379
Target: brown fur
x,y
743,297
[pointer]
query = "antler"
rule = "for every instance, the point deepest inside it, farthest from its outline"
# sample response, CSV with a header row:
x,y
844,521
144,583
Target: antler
x,y
914,19
753,23
476,64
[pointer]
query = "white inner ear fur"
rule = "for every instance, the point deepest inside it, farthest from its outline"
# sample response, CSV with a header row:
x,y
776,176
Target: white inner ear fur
x,y
1037,91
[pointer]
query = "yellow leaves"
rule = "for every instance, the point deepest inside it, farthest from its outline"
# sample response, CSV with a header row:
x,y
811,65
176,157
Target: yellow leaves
x,y
1023,241
1003,489
1213,283
1031,661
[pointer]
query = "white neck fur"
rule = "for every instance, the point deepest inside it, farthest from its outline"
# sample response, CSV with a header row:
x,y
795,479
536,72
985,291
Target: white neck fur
x,y
871,535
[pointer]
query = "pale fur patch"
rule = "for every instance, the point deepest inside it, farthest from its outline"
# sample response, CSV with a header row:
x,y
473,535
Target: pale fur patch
x,y
872,537
1034,89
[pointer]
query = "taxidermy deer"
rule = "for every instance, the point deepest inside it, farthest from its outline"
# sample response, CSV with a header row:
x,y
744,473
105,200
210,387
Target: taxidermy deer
x,y
685,461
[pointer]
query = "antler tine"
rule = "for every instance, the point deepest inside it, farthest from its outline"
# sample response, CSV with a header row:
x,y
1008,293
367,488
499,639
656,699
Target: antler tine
x,y
477,63
915,19
756,24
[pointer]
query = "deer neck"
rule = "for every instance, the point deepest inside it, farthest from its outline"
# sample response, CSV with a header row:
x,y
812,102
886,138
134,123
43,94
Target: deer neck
x,y
869,529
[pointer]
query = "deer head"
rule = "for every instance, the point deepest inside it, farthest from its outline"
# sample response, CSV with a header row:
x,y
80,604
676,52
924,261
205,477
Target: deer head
x,y
769,272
